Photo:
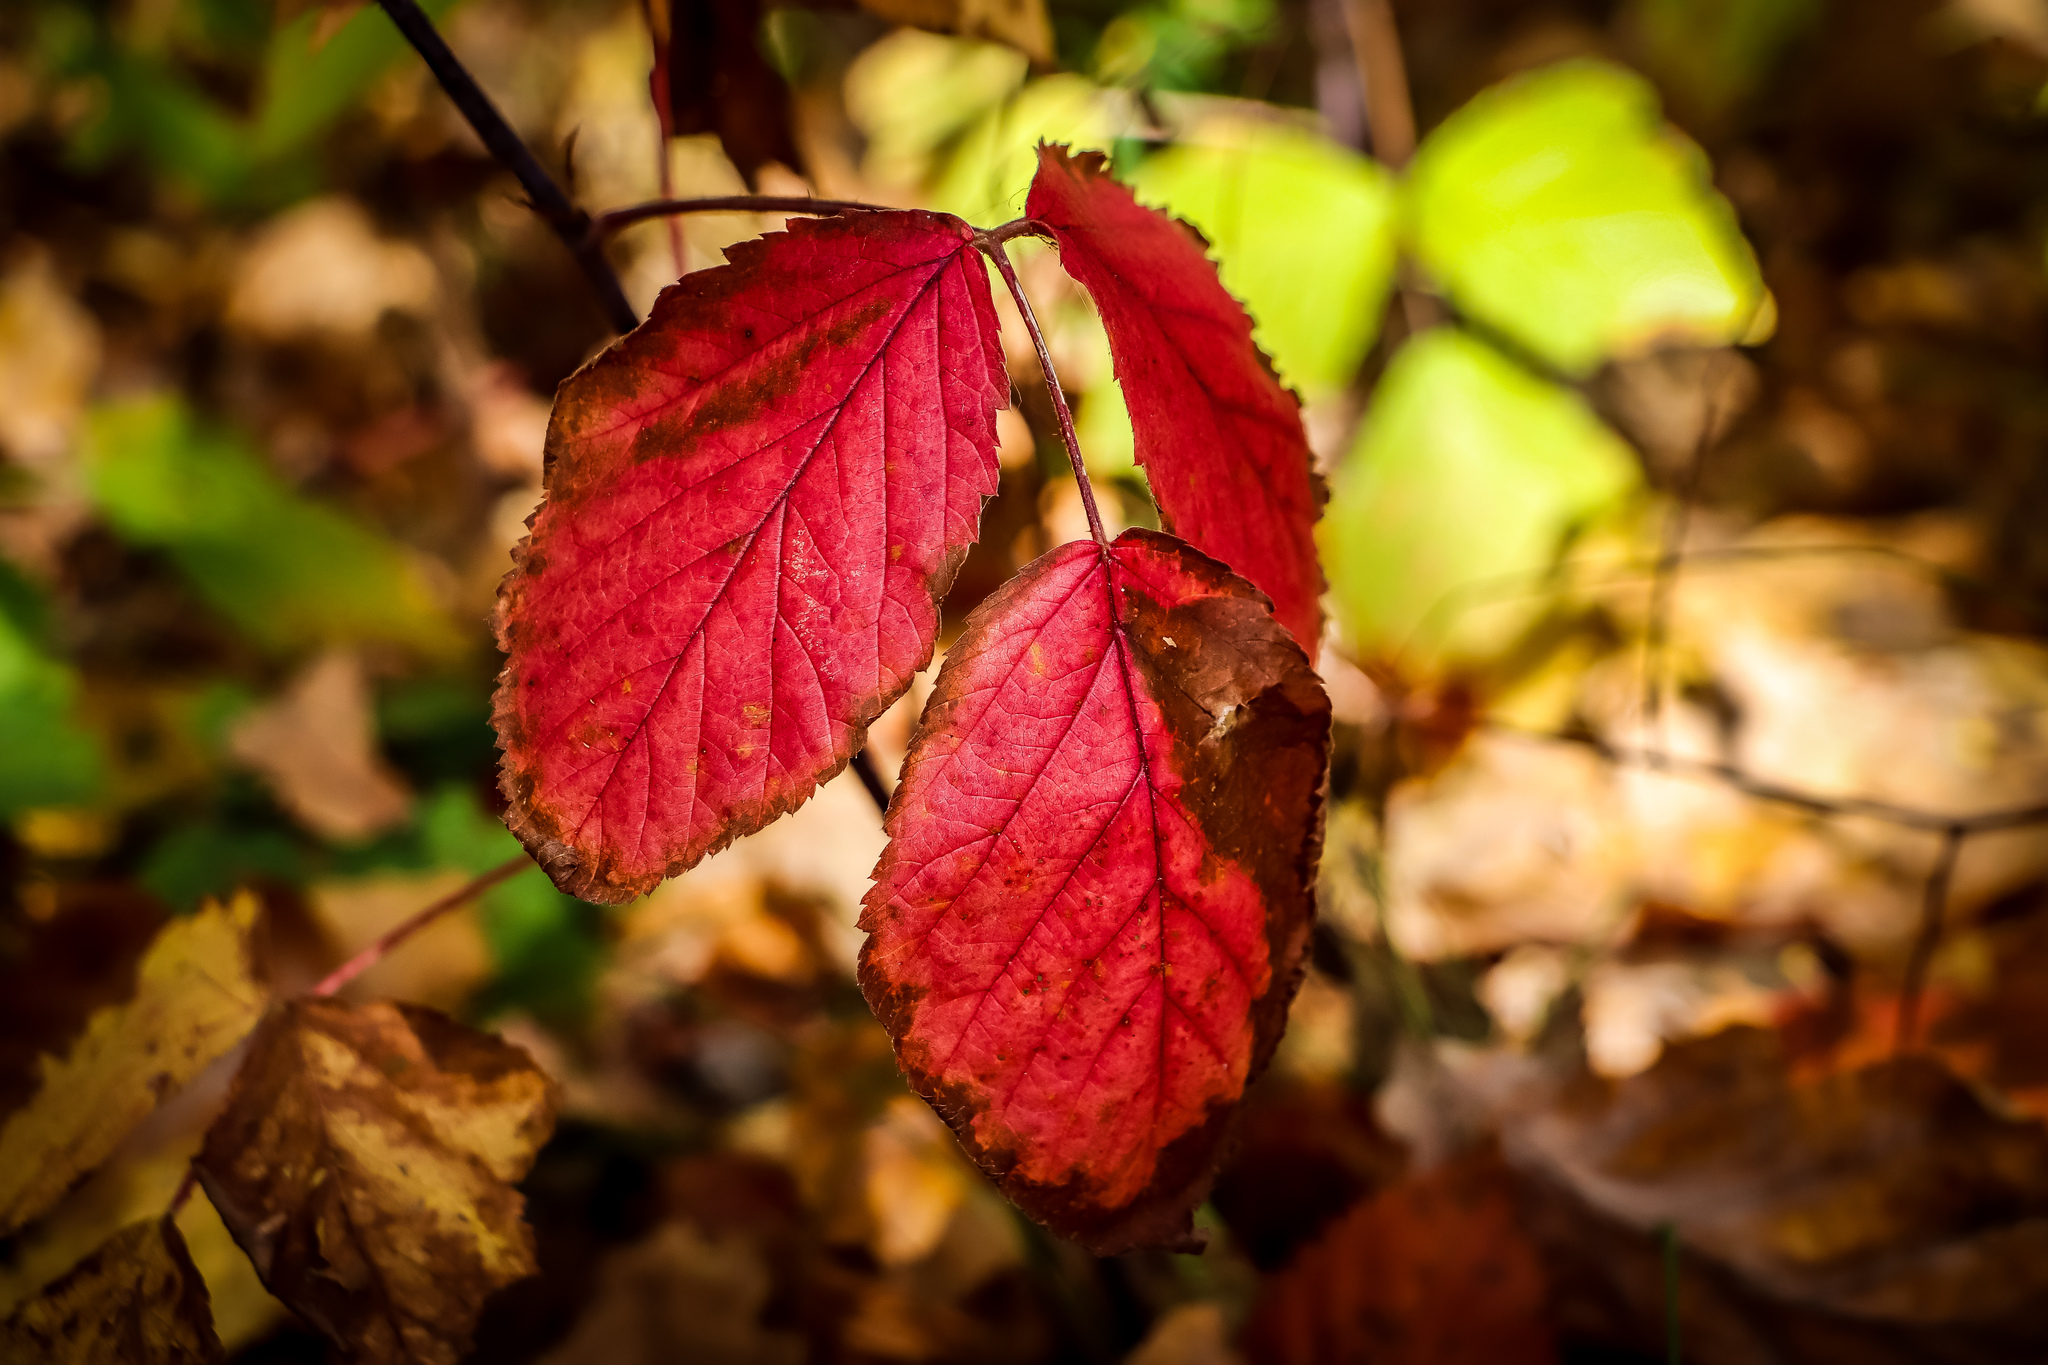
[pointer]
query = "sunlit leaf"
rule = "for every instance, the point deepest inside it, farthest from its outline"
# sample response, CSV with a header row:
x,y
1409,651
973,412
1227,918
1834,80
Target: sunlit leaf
x,y
1559,208
285,569
1099,883
754,504
985,178
1302,230
1468,470
912,92
136,1300
195,998
1221,440
366,1162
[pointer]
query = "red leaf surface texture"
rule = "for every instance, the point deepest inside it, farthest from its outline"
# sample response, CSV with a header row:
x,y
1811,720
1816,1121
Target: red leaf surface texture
x,y
1090,919
754,503
1220,437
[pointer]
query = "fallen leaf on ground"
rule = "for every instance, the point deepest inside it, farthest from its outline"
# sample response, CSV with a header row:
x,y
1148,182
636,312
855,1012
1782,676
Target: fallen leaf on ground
x,y
1090,918
316,746
680,1295
137,1300
365,1162
1890,1194
1433,1271
195,998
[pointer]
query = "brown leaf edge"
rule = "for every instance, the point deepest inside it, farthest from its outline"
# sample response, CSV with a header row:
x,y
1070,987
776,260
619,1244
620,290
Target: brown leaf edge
x,y
564,866
1163,1215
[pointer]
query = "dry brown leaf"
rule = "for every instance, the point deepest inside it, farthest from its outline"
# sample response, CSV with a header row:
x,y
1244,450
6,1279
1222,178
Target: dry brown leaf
x,y
679,1295
316,748
1022,24
137,1300
1435,1270
195,998
365,1161
1889,1193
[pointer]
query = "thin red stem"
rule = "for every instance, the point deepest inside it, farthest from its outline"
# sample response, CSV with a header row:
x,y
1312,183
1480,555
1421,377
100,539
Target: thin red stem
x,y
604,224
372,955
996,252
183,1193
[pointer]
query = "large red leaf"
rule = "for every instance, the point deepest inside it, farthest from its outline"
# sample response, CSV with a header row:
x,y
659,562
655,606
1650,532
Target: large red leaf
x,y
1220,437
1090,917
754,503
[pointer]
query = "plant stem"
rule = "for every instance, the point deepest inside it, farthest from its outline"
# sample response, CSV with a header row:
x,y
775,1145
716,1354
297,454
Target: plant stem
x,y
664,117
604,224
1001,256
1383,80
391,938
864,769
570,223
1933,909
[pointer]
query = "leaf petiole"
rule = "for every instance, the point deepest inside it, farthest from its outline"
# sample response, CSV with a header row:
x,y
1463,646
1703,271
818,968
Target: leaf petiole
x,y
376,951
991,245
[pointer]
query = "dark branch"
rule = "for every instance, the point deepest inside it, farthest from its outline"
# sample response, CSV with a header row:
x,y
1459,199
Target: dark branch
x,y
1763,790
570,223
605,224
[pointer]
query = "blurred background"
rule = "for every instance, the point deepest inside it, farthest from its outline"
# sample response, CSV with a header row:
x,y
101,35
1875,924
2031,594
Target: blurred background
x,y
1677,370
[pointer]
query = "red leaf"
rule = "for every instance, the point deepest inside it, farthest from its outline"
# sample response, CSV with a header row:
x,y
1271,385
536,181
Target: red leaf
x,y
754,503
1433,1271
1219,436
1090,918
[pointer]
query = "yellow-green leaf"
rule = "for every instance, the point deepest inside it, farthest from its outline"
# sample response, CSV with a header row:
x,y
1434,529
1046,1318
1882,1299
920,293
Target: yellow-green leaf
x,y
365,1161
1302,231
195,998
1561,209
137,1300
1467,468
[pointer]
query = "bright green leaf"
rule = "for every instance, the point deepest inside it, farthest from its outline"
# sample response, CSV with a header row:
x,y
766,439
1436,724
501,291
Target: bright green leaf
x,y
1468,469
1302,229
913,91
991,165
286,570
1559,208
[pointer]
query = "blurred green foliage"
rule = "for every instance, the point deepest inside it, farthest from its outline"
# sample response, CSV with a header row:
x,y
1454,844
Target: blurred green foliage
x,y
1558,208
140,64
286,570
1303,231
1468,468
46,757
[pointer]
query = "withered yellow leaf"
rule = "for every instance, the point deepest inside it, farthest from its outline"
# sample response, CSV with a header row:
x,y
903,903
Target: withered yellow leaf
x,y
365,1162
1023,24
137,1300
196,996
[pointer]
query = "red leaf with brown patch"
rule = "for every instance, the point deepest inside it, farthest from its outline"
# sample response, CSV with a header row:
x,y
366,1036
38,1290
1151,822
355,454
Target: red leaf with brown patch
x,y
1090,918
1219,436
754,503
